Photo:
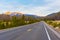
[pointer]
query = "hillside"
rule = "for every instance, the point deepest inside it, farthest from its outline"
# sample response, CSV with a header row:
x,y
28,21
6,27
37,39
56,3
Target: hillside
x,y
16,19
9,15
5,17
54,16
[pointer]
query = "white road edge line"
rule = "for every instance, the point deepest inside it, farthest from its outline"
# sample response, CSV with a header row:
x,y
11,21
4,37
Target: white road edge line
x,y
47,33
55,32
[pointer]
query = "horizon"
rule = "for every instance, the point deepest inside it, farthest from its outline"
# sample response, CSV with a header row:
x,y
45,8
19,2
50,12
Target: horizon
x,y
9,13
34,7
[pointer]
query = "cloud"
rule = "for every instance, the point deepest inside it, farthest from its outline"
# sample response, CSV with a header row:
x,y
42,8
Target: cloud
x,y
51,6
54,5
36,10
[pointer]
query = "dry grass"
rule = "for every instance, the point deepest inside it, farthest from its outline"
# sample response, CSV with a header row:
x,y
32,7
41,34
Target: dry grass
x,y
55,23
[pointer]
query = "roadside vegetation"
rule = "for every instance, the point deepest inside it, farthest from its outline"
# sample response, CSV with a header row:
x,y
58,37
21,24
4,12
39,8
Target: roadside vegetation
x,y
15,22
54,20
55,24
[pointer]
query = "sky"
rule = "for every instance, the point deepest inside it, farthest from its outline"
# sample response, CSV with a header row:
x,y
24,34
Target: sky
x,y
35,7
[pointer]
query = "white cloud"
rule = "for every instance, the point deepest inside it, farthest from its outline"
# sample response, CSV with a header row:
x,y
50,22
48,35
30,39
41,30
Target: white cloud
x,y
55,5
50,7
36,10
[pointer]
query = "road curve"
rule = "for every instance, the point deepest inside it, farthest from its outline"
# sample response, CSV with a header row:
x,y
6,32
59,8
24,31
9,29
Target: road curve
x,y
36,31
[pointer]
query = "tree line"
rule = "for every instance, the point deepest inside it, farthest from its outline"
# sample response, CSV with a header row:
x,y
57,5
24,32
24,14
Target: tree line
x,y
15,21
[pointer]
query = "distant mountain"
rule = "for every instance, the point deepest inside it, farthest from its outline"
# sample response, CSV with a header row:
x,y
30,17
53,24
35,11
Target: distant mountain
x,y
35,16
20,14
15,13
9,15
54,16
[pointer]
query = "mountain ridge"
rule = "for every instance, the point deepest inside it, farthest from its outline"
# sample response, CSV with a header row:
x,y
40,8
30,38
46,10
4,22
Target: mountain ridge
x,y
54,16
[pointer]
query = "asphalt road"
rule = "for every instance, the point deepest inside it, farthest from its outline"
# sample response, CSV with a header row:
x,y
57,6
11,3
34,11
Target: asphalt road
x,y
36,31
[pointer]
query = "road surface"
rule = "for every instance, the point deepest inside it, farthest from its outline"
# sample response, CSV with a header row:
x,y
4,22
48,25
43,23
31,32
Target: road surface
x,y
36,31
